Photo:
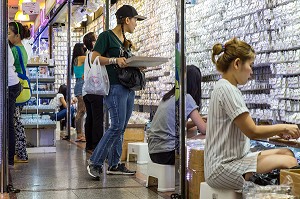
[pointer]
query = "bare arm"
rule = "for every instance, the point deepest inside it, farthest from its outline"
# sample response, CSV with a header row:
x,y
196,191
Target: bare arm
x,y
190,124
246,124
198,121
121,61
80,60
63,102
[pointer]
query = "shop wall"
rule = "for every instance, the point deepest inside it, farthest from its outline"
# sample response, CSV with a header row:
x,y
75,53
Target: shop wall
x,y
60,54
152,37
272,28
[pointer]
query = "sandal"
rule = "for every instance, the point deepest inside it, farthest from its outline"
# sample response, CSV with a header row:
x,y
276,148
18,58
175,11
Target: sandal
x,y
11,189
80,139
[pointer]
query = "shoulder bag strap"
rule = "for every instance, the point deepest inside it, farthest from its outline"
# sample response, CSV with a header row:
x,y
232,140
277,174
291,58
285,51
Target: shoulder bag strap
x,y
21,60
89,59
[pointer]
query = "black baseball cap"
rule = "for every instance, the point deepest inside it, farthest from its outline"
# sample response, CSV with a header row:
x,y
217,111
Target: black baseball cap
x,y
128,11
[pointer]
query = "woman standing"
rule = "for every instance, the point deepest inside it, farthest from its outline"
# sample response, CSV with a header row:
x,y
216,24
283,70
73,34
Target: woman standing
x,y
228,160
110,47
94,105
78,69
16,33
14,89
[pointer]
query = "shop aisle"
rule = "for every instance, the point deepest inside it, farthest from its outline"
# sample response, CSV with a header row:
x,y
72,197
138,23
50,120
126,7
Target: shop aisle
x,y
63,175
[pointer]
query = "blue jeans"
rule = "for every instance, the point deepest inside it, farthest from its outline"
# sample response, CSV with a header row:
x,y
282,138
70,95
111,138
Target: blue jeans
x,y
119,102
78,87
61,114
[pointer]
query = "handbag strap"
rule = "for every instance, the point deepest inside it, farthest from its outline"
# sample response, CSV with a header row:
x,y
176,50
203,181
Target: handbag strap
x,y
115,38
95,60
89,60
21,60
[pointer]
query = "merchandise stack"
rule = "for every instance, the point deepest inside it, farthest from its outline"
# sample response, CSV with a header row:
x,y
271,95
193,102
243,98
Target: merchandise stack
x,y
60,54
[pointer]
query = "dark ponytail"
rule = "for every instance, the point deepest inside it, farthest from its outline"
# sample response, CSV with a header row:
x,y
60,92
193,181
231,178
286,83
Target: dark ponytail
x,y
127,43
18,28
193,86
26,32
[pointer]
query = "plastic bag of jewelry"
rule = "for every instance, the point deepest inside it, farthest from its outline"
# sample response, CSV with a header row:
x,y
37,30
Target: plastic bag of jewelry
x,y
254,191
271,178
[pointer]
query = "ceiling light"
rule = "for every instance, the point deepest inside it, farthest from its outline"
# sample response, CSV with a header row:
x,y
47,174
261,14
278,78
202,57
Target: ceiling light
x,y
21,17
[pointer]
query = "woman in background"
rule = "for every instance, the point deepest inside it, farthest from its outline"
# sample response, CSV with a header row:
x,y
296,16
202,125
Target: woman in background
x,y
162,141
16,33
61,103
78,69
94,105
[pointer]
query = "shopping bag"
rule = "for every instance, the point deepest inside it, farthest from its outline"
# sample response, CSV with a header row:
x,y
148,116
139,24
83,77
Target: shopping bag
x,y
25,93
96,80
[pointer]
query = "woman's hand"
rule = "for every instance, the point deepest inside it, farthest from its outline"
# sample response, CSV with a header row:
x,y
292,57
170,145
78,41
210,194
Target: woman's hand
x,y
121,61
142,68
291,131
74,100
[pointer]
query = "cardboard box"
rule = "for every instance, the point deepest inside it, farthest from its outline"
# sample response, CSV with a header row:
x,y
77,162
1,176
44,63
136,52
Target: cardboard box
x,y
194,181
196,160
291,176
195,172
133,133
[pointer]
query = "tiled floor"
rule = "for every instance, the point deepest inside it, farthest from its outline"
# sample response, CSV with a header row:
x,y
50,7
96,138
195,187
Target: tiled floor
x,y
63,175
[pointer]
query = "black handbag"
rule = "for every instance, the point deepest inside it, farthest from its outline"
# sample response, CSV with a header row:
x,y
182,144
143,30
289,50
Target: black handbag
x,y
131,78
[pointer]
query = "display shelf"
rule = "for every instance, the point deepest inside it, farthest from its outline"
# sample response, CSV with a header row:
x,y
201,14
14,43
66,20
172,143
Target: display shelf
x,y
39,110
205,97
40,130
268,64
289,98
40,126
37,64
44,95
289,75
278,50
258,105
257,91
152,78
43,80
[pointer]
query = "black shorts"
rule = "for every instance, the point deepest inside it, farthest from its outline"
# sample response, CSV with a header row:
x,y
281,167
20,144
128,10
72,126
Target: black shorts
x,y
167,158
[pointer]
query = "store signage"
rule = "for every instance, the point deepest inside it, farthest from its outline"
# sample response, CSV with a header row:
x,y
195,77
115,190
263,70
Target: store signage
x,y
49,6
31,8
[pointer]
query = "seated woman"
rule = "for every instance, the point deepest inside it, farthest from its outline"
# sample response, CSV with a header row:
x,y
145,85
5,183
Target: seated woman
x,y
61,103
162,141
228,160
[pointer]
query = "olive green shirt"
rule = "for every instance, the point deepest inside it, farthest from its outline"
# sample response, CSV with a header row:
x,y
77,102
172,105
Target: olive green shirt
x,y
17,63
109,45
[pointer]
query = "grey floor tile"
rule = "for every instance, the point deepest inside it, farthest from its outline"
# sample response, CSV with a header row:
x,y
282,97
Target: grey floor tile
x,y
144,193
63,175
111,193
47,195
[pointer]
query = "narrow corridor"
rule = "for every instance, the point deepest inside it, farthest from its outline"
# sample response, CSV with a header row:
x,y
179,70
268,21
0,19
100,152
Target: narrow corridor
x,y
63,175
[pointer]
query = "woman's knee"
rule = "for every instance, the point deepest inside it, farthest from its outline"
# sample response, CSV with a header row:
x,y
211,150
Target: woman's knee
x,y
117,128
292,162
286,151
